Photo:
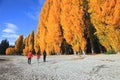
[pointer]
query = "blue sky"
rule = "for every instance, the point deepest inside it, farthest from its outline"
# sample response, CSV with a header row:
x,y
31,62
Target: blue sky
x,y
18,17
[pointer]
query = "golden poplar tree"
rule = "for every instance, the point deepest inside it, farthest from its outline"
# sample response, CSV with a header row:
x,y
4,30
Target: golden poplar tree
x,y
65,20
36,45
19,45
54,34
26,45
29,43
106,20
48,35
72,20
40,38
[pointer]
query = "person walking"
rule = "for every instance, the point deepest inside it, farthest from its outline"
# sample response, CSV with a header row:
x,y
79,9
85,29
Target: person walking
x,y
29,57
38,57
44,56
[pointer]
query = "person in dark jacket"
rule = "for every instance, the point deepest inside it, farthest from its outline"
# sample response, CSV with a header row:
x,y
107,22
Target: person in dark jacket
x,y
44,56
29,57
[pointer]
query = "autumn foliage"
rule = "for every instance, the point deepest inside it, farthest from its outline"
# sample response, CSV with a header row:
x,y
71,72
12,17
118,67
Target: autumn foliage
x,y
25,51
28,43
10,51
76,25
105,16
40,39
72,20
19,45
61,19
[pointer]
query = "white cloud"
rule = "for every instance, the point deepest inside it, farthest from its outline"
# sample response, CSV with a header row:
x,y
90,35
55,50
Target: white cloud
x,y
10,28
10,32
5,35
10,25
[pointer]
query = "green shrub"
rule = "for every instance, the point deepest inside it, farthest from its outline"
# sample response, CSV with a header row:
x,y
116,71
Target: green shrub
x,y
110,52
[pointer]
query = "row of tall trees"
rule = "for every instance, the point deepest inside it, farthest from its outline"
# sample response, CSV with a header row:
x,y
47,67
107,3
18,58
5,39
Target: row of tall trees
x,y
105,17
17,49
74,26
86,25
22,45
59,20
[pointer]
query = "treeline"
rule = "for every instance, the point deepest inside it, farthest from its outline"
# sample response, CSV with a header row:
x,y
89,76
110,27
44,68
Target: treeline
x,y
22,45
3,46
74,27
91,26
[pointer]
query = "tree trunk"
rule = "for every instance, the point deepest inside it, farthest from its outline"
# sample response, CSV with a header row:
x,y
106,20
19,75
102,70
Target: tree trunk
x,y
83,52
100,49
74,53
92,47
118,52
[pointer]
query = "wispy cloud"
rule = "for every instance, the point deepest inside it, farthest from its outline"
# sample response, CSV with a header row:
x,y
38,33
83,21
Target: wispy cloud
x,y
10,28
10,32
34,13
33,16
6,35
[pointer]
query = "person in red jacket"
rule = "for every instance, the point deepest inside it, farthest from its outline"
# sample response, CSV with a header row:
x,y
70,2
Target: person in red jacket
x,y
38,57
29,57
